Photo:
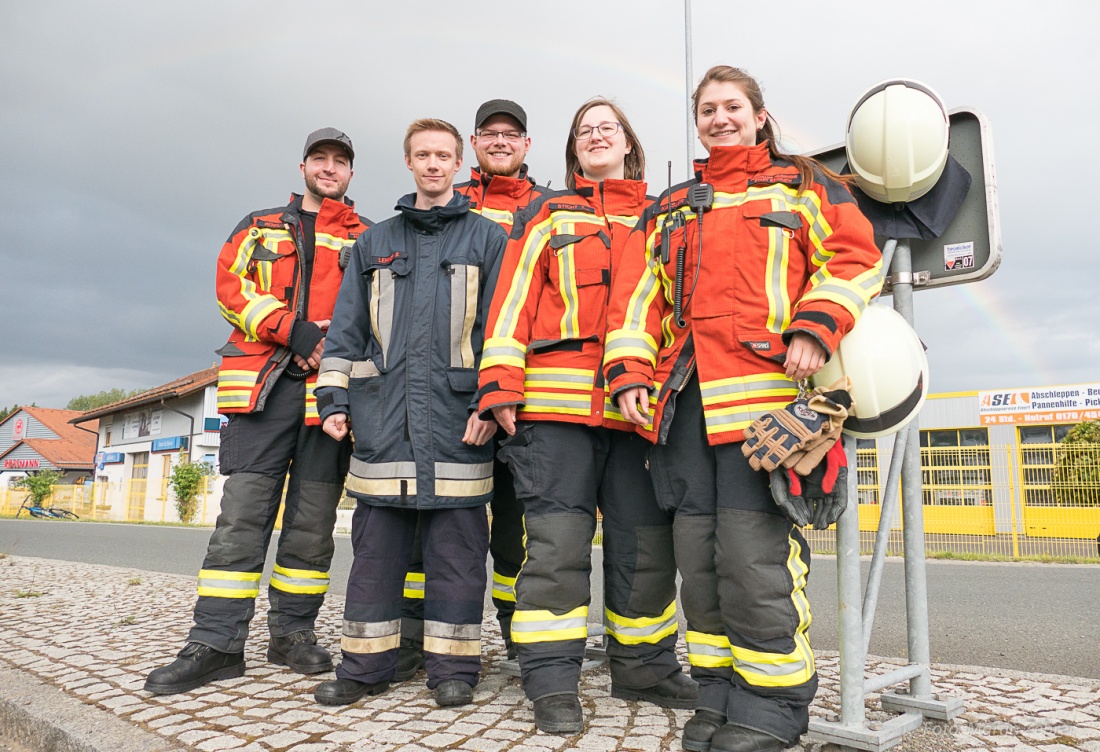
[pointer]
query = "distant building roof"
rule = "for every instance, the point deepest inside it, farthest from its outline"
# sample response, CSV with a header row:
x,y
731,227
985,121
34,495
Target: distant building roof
x,y
172,390
74,447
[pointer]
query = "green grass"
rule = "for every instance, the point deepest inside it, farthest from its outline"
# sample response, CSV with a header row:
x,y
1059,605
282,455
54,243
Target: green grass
x,y
27,594
134,581
126,622
1040,558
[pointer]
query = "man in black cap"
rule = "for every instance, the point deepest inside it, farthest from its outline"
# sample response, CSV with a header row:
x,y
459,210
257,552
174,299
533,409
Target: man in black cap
x,y
277,280
498,189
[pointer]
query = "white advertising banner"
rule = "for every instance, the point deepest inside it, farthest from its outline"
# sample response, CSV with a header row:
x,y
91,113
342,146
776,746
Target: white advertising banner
x,y
142,423
1071,403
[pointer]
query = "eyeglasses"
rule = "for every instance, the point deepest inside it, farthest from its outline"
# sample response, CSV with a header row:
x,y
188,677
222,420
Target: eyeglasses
x,y
607,130
511,136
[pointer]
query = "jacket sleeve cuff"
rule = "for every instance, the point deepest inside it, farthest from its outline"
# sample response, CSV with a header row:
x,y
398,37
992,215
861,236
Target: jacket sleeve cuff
x,y
497,398
813,332
304,336
331,400
620,378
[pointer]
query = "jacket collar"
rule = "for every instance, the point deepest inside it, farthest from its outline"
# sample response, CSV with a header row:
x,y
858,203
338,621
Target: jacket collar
x,y
729,167
332,214
516,187
431,221
623,197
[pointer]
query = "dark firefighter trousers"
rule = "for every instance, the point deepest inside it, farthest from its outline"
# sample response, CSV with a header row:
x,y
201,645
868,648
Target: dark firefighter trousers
x,y
455,544
744,567
257,451
563,473
505,546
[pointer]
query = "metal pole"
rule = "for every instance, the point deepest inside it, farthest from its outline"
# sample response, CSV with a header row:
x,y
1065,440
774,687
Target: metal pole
x,y
849,619
882,539
688,89
916,577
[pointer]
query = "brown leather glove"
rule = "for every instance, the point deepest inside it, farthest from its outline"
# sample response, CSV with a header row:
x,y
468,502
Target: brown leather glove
x,y
802,432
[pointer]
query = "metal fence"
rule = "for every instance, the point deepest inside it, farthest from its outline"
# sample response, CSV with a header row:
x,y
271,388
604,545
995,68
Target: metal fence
x,y
1027,501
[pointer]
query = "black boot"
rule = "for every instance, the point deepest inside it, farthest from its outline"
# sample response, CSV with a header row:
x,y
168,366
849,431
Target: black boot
x,y
676,691
700,728
410,660
453,692
300,651
196,665
346,691
733,738
559,714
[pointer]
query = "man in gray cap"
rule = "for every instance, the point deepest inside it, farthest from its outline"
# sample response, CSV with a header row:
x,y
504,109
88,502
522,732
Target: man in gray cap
x,y
498,189
277,280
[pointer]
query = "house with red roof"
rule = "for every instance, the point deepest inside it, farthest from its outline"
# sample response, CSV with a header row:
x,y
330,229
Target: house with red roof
x,y
33,439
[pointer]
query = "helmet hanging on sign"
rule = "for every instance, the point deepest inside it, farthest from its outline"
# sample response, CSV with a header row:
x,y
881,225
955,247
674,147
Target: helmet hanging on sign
x,y
885,360
897,140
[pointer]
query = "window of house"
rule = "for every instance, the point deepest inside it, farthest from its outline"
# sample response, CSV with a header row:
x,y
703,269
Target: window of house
x,y
867,469
955,467
1037,444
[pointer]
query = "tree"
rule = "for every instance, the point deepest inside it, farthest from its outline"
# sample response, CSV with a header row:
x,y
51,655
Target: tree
x,y
1076,480
187,480
86,402
40,485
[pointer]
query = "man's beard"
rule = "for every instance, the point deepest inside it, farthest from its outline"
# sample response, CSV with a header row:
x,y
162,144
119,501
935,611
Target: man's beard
x,y
495,168
335,193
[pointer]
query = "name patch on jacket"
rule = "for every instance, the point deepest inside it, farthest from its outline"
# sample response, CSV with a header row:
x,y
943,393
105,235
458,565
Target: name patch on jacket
x,y
584,208
269,224
785,179
384,260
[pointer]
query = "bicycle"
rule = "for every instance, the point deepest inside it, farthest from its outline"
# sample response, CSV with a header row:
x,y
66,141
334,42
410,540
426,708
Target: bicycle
x,y
41,512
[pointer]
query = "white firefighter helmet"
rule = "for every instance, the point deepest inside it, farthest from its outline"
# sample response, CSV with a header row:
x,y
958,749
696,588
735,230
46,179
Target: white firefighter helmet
x,y
885,360
897,140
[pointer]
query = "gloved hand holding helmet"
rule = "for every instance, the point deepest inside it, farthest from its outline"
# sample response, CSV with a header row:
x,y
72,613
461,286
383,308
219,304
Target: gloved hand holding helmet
x,y
819,497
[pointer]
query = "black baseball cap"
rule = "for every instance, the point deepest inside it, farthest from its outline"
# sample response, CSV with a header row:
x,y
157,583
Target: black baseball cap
x,y
500,107
328,136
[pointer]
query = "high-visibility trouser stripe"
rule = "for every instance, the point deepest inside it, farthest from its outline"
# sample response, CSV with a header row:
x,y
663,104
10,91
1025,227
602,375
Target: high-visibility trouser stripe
x,y
452,639
567,280
504,588
464,287
366,637
737,417
414,585
644,629
708,650
382,478
463,479
500,216
257,310
545,626
304,581
775,669
747,387
503,351
381,309
216,583
629,343
520,285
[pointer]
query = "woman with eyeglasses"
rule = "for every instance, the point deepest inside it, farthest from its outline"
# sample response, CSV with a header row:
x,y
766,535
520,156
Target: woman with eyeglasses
x,y
569,448
748,276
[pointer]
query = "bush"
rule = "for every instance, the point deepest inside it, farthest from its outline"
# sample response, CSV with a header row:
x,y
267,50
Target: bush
x,y
187,480
40,485
1076,480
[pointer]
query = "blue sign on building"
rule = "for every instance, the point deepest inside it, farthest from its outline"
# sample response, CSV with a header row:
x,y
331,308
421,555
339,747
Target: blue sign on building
x,y
110,458
169,444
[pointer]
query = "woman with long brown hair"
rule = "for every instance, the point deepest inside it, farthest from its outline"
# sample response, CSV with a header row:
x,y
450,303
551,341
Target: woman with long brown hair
x,y
569,448
747,276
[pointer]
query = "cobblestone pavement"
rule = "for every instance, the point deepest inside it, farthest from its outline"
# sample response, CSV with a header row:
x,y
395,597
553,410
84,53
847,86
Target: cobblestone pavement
x,y
94,632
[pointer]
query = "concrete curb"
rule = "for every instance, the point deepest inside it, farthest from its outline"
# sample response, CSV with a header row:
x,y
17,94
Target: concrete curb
x,y
46,719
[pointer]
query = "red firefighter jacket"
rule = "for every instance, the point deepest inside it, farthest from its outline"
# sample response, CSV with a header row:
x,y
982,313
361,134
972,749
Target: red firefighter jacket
x,y
776,258
549,313
498,197
261,293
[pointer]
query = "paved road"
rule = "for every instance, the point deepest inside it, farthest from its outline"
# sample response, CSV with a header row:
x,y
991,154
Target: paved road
x,y
1029,617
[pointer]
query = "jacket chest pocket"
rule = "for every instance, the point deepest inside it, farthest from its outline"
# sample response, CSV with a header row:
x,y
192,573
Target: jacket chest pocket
x,y
465,283
580,275
273,265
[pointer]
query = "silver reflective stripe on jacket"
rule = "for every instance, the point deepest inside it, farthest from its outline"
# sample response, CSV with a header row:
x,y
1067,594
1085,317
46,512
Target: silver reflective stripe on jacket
x,y
381,309
464,287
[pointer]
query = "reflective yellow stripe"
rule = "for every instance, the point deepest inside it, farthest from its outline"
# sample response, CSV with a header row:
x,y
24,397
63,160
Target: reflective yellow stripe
x,y
414,585
520,284
708,650
305,581
644,629
216,583
630,343
756,386
737,417
500,216
503,351
575,379
546,626
504,588
443,638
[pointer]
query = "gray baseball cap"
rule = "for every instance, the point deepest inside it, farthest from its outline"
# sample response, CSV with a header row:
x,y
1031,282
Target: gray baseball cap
x,y
500,107
328,136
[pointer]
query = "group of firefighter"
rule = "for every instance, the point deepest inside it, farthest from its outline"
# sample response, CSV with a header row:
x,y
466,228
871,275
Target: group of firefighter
x,y
554,354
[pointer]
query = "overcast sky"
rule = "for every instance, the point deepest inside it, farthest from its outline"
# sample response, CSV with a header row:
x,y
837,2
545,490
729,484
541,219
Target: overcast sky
x,y
135,135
